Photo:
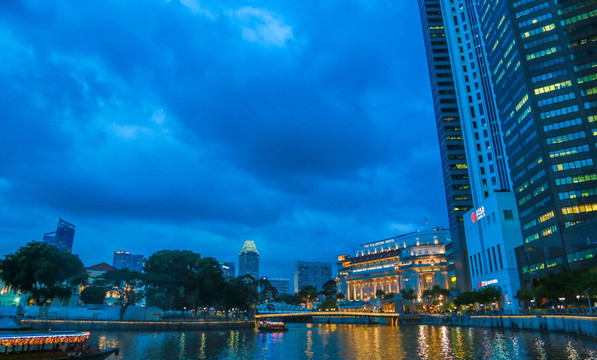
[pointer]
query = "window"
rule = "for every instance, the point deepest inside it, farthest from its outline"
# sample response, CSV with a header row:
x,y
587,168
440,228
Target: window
x,y
508,215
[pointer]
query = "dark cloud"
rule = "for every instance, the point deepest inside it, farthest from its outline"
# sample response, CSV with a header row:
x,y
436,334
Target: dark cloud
x,y
185,124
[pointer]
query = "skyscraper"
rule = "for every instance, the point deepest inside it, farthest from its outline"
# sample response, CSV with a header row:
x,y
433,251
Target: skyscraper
x,y
281,284
63,237
311,273
126,260
537,60
248,260
449,132
542,57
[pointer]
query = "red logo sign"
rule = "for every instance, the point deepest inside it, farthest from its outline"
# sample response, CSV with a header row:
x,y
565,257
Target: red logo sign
x,y
473,217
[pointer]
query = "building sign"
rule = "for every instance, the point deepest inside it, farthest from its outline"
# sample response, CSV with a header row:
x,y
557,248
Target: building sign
x,y
478,214
487,282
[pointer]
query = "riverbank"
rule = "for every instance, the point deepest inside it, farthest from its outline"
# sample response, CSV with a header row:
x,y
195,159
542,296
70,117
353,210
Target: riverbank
x,y
95,325
572,324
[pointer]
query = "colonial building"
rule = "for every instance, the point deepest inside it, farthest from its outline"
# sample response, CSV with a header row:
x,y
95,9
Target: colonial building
x,y
416,261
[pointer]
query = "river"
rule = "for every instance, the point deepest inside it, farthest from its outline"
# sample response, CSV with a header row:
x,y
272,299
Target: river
x,y
347,342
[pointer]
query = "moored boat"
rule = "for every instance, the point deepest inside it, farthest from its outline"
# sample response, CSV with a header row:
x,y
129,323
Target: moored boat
x,y
271,326
51,346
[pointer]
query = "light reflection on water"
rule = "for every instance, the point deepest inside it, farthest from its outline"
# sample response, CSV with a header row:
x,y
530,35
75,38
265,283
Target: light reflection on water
x,y
349,342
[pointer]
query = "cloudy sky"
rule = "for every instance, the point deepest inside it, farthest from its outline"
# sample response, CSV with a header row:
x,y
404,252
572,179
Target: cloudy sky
x,y
306,126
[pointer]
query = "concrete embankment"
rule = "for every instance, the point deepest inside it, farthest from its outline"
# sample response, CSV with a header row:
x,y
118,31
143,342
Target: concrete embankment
x,y
397,320
581,325
96,325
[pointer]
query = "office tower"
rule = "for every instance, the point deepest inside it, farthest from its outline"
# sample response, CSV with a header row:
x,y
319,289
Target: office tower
x,y
543,67
228,269
63,237
248,260
126,260
539,60
311,273
281,284
491,227
449,132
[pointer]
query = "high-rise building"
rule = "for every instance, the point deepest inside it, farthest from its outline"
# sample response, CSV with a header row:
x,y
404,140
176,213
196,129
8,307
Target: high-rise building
x,y
63,237
544,71
537,60
228,269
282,285
126,260
492,228
248,260
449,131
311,273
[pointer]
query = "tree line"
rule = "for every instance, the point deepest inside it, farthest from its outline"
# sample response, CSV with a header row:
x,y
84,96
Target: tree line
x,y
178,280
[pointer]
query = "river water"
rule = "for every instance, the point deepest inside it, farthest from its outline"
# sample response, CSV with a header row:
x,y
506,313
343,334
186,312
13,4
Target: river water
x,y
347,342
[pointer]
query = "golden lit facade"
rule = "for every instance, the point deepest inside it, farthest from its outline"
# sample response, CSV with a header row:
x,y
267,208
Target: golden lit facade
x,y
416,261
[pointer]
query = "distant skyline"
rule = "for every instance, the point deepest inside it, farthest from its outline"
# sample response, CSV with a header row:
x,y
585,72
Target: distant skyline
x,y
307,127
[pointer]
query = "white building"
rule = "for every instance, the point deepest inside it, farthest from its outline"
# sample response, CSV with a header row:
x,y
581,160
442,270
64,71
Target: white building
x,y
493,232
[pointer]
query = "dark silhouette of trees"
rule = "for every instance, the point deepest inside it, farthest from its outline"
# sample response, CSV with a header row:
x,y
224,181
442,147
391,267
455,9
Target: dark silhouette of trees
x,y
43,271
93,294
127,284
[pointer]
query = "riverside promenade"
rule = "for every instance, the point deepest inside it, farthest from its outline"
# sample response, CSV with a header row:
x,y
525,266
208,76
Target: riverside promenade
x,y
573,324
115,325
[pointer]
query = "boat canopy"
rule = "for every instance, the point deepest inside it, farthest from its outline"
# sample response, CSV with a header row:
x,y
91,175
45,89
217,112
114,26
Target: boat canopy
x,y
41,339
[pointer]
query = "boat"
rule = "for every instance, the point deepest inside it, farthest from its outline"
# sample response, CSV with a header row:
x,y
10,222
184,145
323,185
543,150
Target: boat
x,y
271,326
51,346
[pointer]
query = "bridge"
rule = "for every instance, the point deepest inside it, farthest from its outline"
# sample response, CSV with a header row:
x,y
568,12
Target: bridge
x,y
342,317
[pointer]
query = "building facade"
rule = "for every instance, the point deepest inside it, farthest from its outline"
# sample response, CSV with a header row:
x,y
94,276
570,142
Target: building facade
x,y
417,261
228,269
542,56
248,260
311,273
450,137
63,237
535,62
281,284
126,260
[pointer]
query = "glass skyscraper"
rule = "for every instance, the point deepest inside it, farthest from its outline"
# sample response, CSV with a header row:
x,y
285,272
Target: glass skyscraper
x,y
126,260
543,58
63,237
538,60
248,260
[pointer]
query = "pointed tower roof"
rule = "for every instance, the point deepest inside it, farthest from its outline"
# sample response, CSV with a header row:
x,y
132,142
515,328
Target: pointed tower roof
x,y
249,247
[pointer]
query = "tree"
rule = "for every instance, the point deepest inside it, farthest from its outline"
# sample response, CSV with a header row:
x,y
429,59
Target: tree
x,y
266,290
329,289
380,294
288,299
239,294
328,304
209,278
525,294
465,298
93,294
174,274
127,284
488,294
307,294
340,296
43,271
408,294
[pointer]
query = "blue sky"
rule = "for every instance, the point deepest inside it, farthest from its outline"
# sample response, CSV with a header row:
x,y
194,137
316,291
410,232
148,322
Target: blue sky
x,y
305,126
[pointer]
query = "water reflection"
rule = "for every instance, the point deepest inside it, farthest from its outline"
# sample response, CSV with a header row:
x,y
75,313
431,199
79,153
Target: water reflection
x,y
349,342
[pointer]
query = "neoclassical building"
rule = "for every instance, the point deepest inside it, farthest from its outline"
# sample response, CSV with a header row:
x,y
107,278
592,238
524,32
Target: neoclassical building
x,y
415,260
